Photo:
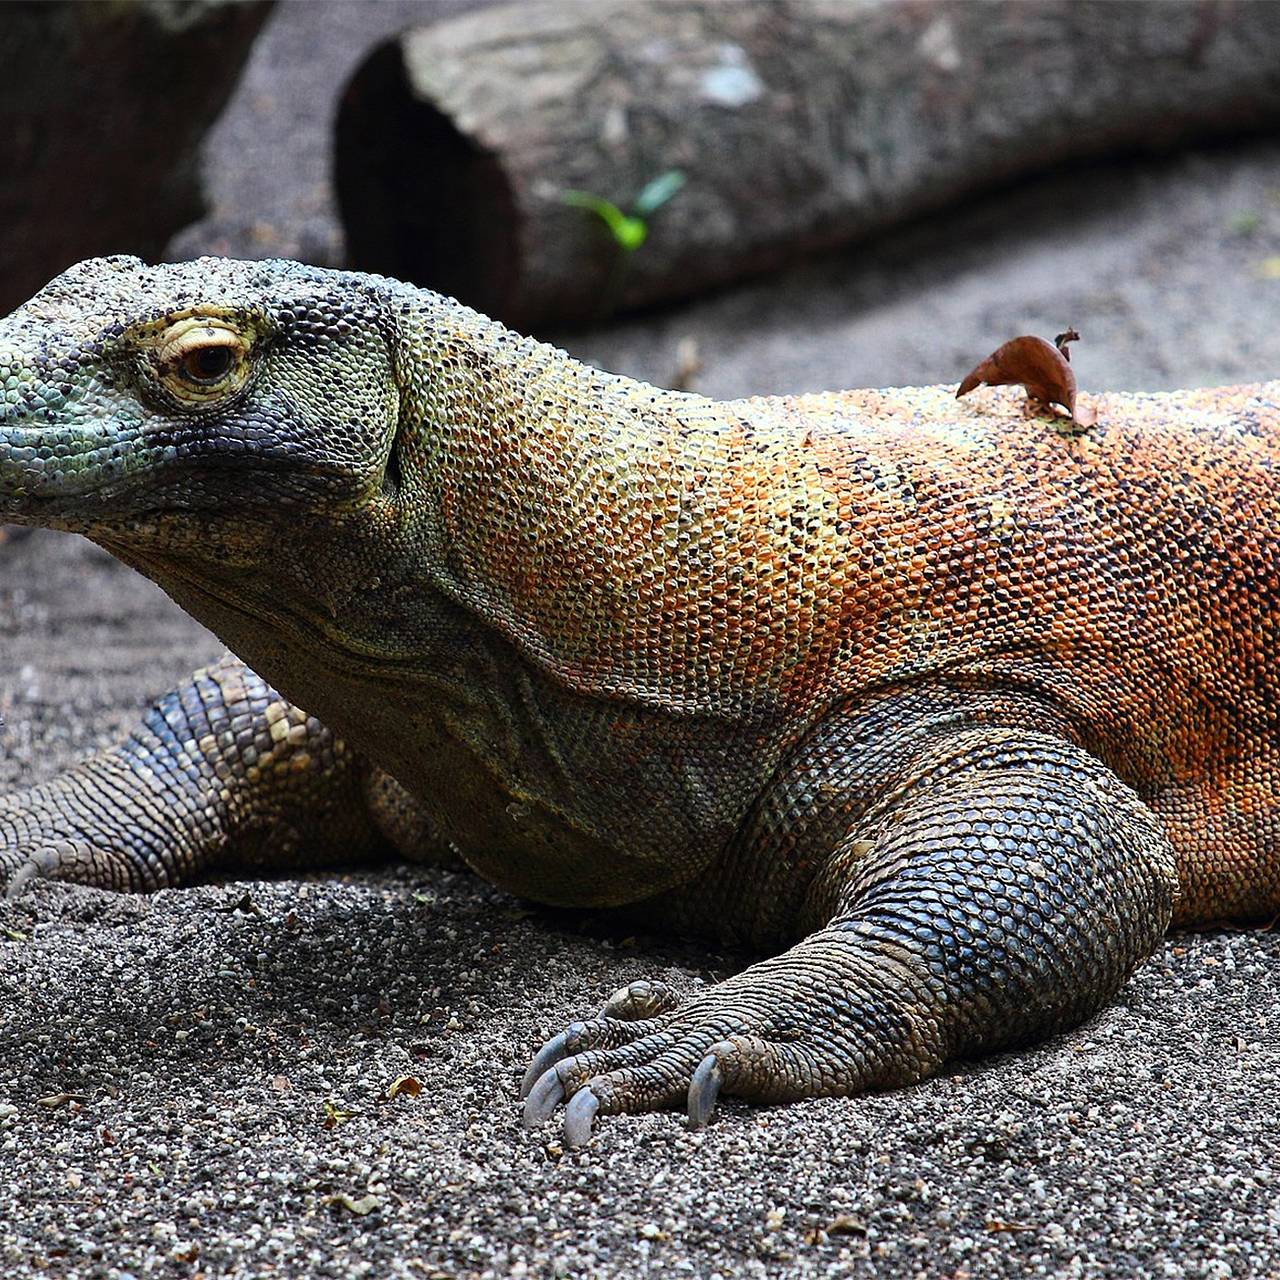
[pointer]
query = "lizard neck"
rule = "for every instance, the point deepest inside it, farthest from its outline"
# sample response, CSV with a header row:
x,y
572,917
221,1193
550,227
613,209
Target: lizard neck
x,y
560,505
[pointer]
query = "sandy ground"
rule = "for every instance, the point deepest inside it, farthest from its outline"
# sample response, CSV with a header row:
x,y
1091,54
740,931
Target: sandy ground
x,y
228,1066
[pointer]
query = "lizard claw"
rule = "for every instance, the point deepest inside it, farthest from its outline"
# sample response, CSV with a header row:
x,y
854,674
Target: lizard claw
x,y
691,1056
41,865
555,1050
543,1099
21,878
577,1037
579,1116
704,1087
73,861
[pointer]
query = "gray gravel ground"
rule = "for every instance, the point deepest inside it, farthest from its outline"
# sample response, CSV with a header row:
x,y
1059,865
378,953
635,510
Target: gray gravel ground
x,y
229,1065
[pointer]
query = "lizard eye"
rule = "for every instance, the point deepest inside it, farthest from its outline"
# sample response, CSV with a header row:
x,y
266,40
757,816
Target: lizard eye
x,y
201,360
203,365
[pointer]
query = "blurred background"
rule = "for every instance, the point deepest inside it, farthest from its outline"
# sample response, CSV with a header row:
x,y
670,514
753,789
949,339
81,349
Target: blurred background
x,y
826,193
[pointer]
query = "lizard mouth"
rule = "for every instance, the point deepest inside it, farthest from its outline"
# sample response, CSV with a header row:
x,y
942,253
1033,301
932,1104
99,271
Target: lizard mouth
x,y
49,472
105,474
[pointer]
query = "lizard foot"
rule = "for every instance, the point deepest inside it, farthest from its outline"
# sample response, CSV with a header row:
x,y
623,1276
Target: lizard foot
x,y
778,1032
661,1068
610,1064
1007,892
222,770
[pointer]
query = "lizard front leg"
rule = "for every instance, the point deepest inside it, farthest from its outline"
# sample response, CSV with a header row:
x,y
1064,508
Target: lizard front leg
x,y
221,772
1003,888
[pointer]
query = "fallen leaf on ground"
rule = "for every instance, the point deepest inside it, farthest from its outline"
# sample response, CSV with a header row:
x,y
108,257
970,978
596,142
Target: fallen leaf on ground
x,y
244,904
997,1224
1041,368
845,1224
335,1115
364,1205
61,1099
409,1085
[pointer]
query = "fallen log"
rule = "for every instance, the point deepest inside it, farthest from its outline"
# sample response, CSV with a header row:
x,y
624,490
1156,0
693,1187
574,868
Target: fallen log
x,y
799,125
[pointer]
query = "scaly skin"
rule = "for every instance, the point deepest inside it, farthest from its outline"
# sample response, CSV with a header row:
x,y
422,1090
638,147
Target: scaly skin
x,y
961,709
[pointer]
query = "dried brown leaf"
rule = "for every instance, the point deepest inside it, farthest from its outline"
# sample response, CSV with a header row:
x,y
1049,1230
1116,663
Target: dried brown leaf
x,y
244,904
1043,369
409,1085
335,1115
360,1207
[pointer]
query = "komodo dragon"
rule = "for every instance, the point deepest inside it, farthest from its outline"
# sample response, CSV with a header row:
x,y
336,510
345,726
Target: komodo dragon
x,y
964,710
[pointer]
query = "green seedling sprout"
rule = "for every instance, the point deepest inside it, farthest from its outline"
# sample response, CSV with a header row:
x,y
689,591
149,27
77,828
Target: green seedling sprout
x,y
629,230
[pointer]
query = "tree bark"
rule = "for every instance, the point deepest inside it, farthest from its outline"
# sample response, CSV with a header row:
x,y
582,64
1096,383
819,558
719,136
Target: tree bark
x,y
799,124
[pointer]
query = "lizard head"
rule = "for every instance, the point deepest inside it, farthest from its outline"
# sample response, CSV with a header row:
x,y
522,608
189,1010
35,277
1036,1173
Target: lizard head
x,y
228,428
205,408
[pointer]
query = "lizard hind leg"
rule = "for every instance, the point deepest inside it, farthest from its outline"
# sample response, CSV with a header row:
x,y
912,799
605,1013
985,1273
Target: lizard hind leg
x,y
1010,887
